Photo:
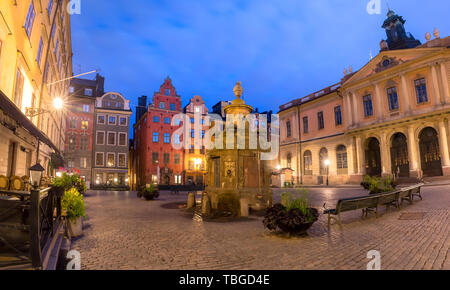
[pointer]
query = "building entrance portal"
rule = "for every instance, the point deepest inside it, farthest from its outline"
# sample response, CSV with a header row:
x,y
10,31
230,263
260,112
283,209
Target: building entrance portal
x,y
399,155
373,157
430,156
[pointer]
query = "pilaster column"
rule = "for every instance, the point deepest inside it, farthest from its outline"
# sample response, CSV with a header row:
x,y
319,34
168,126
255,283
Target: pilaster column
x,y
333,161
405,96
356,116
413,153
386,164
437,95
445,82
378,102
360,155
348,110
350,160
443,145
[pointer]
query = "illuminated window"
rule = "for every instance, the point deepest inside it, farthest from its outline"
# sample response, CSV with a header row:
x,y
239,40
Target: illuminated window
x,y
122,160
111,159
99,159
84,125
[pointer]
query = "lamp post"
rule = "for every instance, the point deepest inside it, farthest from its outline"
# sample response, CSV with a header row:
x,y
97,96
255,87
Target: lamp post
x,y
327,164
36,175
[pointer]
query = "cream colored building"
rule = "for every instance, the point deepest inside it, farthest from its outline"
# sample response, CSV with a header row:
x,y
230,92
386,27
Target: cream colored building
x,y
389,118
32,56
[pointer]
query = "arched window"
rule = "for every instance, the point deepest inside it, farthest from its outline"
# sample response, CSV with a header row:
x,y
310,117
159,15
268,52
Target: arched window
x,y
307,163
289,160
323,157
341,159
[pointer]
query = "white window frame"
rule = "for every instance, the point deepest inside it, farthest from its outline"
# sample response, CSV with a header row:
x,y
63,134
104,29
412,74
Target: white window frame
x,y
118,139
86,108
104,123
81,162
110,153
103,159
71,89
118,160
126,119
81,127
86,90
104,137
115,123
107,138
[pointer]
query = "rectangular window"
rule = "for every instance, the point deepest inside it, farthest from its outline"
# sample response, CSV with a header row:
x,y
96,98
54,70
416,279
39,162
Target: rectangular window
x,y
191,149
30,20
83,162
122,139
162,105
100,120
155,119
112,120
176,158
88,92
122,160
288,129
123,121
155,137
39,52
84,125
202,135
341,159
167,92
192,133
50,7
166,158
86,108
167,121
368,108
111,159
166,138
392,98
421,90
71,90
70,163
173,107
338,115
100,138
99,159
320,120
155,157
305,125
192,120
111,138
177,122
72,143
73,123
18,91
84,143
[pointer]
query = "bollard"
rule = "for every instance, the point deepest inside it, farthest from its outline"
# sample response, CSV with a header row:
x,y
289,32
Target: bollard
x,y
191,200
206,207
244,207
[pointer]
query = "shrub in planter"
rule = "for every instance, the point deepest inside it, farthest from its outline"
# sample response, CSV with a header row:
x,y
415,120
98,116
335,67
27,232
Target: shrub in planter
x,y
378,185
73,204
294,218
150,193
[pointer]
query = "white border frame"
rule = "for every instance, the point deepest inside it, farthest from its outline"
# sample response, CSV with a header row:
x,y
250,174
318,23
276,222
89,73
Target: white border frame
x,y
96,138
103,159
107,138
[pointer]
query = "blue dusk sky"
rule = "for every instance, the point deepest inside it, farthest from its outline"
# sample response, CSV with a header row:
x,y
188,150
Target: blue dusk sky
x,y
280,49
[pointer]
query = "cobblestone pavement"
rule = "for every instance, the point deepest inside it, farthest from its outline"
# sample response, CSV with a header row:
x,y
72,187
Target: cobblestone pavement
x,y
123,232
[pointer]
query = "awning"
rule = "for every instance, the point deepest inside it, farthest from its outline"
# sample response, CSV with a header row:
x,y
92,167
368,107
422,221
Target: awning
x,y
10,109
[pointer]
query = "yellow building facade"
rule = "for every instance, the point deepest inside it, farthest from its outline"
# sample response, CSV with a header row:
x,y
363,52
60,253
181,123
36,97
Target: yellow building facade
x,y
392,117
35,52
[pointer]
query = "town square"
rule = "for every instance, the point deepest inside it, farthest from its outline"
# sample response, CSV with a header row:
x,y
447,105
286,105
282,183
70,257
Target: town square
x,y
224,135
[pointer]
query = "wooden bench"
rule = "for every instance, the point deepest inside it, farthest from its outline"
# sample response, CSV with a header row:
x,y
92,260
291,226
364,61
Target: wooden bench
x,y
370,204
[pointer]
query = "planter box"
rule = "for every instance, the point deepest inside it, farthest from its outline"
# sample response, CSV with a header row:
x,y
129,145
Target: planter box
x,y
76,227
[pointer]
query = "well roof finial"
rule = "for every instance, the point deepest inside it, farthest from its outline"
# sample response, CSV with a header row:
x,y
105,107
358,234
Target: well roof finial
x,y
238,90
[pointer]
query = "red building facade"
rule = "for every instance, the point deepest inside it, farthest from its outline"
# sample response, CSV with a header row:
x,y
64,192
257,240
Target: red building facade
x,y
157,161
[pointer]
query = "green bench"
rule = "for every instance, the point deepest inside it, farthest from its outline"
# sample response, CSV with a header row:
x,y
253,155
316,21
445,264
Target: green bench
x,y
370,204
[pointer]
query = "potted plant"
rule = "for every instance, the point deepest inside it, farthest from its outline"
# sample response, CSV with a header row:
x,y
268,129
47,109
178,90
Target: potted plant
x,y
73,205
150,193
294,216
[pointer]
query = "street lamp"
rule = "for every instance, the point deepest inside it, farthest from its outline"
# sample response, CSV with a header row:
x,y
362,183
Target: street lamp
x,y
327,164
278,167
36,174
58,103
